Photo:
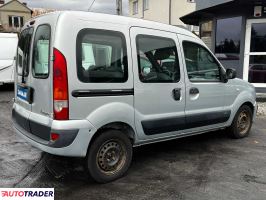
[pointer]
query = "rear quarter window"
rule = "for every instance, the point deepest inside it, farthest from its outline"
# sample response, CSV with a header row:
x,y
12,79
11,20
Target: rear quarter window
x,y
41,52
101,56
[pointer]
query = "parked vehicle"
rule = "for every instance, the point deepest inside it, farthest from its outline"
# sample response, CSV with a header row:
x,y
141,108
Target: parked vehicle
x,y
81,89
8,48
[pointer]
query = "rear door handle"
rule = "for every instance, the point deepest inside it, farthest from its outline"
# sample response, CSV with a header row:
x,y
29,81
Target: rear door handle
x,y
177,94
194,91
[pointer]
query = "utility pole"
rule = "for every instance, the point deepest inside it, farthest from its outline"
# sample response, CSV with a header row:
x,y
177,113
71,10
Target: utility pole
x,y
119,7
170,12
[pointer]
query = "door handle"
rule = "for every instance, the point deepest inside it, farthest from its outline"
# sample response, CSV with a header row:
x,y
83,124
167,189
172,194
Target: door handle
x,y
194,91
177,94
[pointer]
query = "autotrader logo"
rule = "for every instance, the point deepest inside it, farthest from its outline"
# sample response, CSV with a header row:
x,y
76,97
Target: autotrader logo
x,y
26,193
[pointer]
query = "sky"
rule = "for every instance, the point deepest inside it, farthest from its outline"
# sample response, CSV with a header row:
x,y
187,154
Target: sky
x,y
104,6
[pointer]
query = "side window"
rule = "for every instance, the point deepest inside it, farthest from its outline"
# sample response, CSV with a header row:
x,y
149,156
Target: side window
x,y
41,51
23,54
157,59
201,65
101,56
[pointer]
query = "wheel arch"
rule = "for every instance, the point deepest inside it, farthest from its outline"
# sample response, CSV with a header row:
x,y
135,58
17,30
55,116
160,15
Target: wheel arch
x,y
121,126
249,104
235,110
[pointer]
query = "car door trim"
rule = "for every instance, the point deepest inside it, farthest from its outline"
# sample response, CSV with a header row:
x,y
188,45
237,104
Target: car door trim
x,y
104,92
164,125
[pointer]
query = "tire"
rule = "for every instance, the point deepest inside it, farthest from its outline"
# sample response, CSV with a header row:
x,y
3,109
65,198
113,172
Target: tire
x,y
242,123
109,156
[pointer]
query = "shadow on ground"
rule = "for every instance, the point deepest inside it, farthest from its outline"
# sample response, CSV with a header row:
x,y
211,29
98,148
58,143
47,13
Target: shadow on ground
x,y
69,170
207,166
7,87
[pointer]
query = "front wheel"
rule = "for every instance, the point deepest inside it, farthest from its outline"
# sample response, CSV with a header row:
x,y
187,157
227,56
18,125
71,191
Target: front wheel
x,y
242,123
109,156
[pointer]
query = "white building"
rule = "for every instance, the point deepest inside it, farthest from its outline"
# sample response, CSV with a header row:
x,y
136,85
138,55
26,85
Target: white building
x,y
164,11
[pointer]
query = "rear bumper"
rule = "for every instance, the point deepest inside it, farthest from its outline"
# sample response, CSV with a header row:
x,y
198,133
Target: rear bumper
x,y
74,135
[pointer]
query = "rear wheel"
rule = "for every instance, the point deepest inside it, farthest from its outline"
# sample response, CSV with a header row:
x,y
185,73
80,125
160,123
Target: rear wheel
x,y
242,123
109,156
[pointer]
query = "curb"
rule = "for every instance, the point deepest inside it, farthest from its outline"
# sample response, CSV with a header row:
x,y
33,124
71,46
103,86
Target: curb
x,y
261,109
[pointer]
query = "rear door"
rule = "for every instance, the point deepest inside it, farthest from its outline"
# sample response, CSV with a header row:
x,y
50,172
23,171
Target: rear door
x,y
22,90
158,83
41,81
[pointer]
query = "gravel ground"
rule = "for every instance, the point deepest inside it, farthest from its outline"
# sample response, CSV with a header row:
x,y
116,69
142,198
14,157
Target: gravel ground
x,y
261,109
208,166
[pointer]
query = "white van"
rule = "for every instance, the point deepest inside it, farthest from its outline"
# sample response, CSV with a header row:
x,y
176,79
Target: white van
x,y
8,48
95,85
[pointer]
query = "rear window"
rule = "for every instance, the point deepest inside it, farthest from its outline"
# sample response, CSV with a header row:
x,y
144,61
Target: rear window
x,y
23,54
101,56
41,52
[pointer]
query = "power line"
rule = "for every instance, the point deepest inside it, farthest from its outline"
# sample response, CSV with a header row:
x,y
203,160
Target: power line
x,y
91,5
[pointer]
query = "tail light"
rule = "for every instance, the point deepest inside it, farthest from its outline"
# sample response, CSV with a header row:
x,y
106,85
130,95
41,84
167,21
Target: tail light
x,y
60,87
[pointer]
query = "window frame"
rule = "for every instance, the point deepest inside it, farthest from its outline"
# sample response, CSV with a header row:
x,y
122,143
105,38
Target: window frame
x,y
49,53
222,71
135,12
79,52
177,57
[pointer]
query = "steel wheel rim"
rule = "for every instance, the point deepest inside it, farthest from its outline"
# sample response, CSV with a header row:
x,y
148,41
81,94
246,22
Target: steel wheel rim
x,y
243,122
111,157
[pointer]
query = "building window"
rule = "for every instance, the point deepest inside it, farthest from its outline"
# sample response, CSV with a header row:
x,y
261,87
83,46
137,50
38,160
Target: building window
x,y
145,4
206,33
258,37
135,7
15,21
228,34
191,1
257,69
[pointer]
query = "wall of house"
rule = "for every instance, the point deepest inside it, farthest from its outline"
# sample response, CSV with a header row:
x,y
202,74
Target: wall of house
x,y
159,10
179,9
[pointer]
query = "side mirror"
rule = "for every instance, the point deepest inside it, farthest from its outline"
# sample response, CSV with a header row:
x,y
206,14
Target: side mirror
x,y
230,73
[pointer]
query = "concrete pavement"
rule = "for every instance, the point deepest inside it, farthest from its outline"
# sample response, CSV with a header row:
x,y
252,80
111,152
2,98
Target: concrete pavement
x,y
208,166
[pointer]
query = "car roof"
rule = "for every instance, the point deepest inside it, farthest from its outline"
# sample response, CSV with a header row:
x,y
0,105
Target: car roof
x,y
115,19
8,35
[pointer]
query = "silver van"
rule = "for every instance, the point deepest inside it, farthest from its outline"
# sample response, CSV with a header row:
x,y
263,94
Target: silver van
x,y
94,86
